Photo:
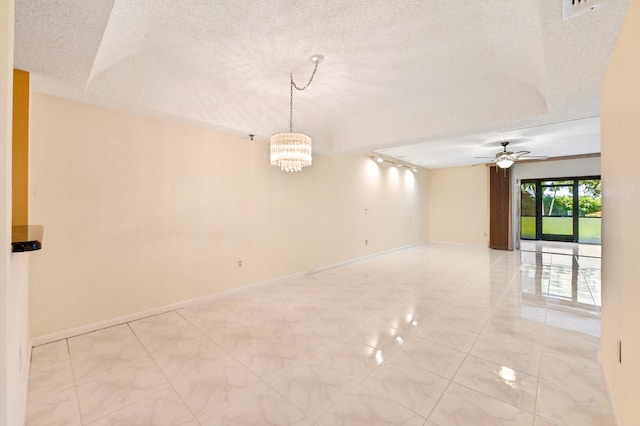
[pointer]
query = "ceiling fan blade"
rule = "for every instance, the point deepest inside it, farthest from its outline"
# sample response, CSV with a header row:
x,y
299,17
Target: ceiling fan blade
x,y
512,156
486,163
534,157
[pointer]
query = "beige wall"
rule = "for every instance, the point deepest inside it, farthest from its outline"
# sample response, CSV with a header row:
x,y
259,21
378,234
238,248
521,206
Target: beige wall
x,y
557,169
459,205
14,309
141,213
459,196
620,213
6,87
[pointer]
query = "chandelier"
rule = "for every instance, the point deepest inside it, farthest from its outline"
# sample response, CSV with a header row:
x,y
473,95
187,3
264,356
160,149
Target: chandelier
x,y
292,151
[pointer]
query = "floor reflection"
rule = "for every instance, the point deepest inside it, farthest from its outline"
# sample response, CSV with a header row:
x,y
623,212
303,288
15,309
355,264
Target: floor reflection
x,y
431,334
551,247
564,273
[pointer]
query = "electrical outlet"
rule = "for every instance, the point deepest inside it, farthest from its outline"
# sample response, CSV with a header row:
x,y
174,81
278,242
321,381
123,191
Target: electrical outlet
x,y
239,263
366,242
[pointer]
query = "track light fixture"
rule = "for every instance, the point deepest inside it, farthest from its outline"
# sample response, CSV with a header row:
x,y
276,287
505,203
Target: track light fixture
x,y
379,158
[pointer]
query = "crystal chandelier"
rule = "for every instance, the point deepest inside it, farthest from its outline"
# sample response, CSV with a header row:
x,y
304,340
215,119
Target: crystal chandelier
x,y
292,151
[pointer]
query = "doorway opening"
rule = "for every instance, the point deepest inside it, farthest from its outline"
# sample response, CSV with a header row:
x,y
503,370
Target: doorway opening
x,y
564,209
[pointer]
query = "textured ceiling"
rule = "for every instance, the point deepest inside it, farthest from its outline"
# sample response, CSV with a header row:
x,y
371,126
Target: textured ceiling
x,y
436,82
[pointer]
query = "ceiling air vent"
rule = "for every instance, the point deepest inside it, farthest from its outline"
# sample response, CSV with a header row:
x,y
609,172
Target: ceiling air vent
x,y
573,8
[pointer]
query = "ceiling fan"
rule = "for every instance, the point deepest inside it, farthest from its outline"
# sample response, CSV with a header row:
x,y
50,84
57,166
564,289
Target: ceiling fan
x,y
505,159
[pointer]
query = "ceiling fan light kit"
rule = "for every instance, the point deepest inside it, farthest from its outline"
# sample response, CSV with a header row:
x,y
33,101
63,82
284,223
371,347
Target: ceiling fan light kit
x,y
505,159
504,163
292,151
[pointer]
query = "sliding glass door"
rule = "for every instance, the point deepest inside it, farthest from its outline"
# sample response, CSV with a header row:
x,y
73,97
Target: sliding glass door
x,y
590,211
559,222
561,210
528,210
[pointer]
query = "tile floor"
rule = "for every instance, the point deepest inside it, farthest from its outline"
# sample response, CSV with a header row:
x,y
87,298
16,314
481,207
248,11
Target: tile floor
x,y
432,335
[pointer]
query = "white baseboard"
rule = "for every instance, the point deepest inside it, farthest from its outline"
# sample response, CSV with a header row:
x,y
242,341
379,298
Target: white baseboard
x,y
362,258
612,401
88,328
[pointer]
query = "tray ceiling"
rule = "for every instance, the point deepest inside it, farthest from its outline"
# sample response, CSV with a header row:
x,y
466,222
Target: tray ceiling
x,y
435,82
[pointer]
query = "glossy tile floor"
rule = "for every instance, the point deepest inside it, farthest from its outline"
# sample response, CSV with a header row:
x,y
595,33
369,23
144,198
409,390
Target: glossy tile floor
x,y
431,335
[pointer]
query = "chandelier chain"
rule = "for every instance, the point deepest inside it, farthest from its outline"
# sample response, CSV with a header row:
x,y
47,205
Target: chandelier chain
x,y
291,86
292,151
313,74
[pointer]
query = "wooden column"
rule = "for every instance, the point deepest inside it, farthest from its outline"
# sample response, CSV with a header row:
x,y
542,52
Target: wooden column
x,y
20,147
500,209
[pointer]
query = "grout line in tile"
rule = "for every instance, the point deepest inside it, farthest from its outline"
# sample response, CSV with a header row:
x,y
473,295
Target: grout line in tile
x,y
170,384
505,265
75,385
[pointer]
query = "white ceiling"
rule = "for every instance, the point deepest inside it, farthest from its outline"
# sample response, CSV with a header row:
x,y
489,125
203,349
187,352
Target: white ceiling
x,y
436,82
